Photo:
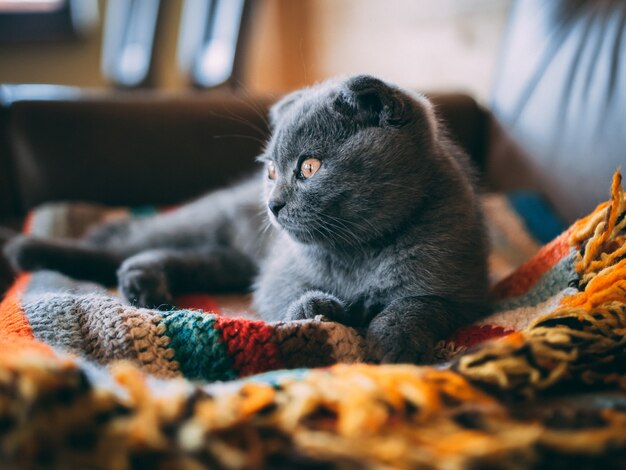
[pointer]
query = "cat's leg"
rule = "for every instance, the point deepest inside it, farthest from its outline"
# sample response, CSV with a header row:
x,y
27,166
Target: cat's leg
x,y
282,294
408,328
28,253
110,232
153,277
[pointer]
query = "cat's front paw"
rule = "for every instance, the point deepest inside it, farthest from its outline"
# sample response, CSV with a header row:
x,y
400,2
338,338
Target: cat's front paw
x,y
390,344
25,253
314,303
144,284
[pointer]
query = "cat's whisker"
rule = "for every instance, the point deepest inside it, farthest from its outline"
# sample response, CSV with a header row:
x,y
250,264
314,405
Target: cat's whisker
x,y
266,227
252,104
341,232
345,223
240,136
368,225
240,120
346,229
333,242
326,237
349,236
246,121
344,233
399,186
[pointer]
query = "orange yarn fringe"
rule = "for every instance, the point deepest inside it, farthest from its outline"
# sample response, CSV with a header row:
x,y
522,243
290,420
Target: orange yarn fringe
x,y
584,340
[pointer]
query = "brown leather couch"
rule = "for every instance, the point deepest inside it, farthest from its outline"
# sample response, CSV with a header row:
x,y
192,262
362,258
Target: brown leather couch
x,y
556,124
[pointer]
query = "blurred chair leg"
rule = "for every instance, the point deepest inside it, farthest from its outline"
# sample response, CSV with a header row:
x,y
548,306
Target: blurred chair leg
x,y
211,41
128,43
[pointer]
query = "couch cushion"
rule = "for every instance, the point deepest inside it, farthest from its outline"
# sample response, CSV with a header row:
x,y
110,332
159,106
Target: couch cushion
x,y
561,98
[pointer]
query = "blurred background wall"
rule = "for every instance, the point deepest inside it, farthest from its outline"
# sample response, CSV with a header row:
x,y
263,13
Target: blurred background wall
x,y
426,44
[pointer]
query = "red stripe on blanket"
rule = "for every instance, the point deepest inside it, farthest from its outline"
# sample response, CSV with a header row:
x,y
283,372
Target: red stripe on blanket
x,y
203,302
250,344
529,273
15,331
472,335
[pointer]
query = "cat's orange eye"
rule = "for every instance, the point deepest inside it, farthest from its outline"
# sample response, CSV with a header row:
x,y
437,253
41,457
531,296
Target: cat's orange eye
x,y
271,170
309,167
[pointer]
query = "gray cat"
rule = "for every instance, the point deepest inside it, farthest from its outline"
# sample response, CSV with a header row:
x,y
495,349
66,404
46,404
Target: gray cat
x,y
374,223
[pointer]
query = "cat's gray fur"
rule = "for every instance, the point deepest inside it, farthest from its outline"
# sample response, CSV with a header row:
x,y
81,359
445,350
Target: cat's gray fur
x,y
387,235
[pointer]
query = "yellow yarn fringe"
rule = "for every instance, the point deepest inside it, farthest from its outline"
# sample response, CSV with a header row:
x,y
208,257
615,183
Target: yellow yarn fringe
x,y
584,340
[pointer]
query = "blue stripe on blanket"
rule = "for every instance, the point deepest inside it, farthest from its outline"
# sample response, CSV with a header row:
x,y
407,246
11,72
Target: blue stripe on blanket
x,y
538,216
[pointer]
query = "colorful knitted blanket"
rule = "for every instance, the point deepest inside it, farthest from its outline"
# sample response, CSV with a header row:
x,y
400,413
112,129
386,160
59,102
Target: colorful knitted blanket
x,y
86,381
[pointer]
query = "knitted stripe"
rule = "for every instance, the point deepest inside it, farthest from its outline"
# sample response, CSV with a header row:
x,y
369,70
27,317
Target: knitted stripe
x,y
250,344
197,301
347,344
497,325
197,345
529,274
552,282
303,343
82,318
73,315
89,325
13,321
468,336
150,346
56,320
521,317
16,334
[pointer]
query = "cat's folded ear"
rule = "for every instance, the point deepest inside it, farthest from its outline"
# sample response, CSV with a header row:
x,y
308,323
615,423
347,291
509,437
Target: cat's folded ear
x,y
370,99
281,107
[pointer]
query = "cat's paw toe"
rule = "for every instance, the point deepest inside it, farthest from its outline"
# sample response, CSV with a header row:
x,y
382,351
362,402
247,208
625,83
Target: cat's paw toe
x,y
144,287
24,253
392,345
312,304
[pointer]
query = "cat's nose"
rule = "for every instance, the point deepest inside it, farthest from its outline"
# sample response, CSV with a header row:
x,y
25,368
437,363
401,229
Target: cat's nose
x,y
276,206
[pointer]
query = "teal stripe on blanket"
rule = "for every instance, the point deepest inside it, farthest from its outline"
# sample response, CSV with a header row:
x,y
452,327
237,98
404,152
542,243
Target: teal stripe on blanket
x,y
198,345
143,211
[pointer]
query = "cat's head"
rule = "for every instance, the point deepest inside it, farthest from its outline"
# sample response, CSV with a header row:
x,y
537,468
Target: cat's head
x,y
348,160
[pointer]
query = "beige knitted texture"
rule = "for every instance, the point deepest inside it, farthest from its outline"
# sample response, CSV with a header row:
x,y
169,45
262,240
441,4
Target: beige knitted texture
x,y
149,342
